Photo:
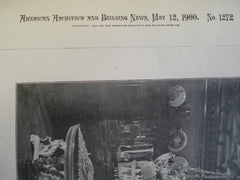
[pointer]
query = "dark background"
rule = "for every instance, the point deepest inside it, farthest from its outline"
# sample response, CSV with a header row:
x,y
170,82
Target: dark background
x,y
49,109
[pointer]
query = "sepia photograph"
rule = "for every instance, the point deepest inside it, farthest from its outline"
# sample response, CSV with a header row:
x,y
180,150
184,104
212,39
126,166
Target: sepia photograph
x,y
166,129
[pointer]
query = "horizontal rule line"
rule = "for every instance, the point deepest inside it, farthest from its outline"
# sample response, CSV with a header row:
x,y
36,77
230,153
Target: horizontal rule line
x,y
123,47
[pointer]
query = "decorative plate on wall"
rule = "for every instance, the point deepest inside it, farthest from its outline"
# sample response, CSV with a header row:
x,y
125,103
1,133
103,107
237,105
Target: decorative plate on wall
x,y
178,140
181,161
176,95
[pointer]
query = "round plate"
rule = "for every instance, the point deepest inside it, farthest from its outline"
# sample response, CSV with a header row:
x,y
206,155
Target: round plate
x,y
176,95
179,166
179,160
178,140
